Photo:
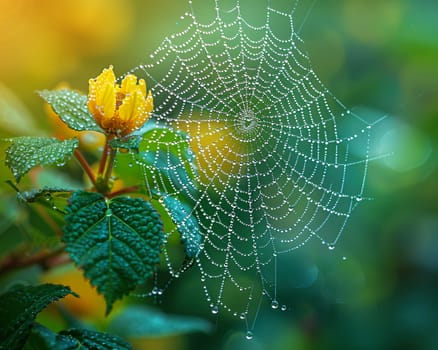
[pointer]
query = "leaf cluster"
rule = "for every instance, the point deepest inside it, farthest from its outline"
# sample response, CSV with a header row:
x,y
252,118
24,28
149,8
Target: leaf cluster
x,y
115,236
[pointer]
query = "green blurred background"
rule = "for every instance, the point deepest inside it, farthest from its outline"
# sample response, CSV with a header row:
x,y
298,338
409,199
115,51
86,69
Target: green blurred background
x,y
379,288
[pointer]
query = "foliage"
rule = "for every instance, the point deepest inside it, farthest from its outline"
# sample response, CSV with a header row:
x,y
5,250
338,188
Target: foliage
x,y
117,242
71,107
24,153
42,338
111,230
19,307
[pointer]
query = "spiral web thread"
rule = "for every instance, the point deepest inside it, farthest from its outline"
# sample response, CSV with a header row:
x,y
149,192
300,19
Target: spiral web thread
x,y
272,145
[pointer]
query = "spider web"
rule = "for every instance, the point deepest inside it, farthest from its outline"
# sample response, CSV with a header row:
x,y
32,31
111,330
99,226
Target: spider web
x,y
272,145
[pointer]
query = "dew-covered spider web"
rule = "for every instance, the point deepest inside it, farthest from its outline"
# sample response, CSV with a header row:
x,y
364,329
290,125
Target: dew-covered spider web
x,y
272,146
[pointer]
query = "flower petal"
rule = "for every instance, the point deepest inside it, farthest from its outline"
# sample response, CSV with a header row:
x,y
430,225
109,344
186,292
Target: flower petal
x,y
149,105
119,109
101,96
107,101
128,108
129,84
142,87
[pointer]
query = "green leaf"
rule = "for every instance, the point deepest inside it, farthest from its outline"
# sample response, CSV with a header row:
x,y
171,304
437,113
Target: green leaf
x,y
163,161
43,338
129,142
171,142
141,322
91,340
27,152
117,242
51,197
19,307
71,107
186,223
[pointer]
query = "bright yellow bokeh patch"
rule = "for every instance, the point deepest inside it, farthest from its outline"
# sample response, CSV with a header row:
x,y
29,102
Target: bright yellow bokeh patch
x,y
217,151
90,304
42,39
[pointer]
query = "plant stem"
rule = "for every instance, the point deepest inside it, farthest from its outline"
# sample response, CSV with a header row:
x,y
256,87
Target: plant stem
x,y
103,159
85,166
123,191
110,164
46,260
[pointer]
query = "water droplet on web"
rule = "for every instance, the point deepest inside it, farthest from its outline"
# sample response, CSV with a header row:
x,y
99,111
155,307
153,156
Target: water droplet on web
x,y
283,307
274,304
214,310
344,258
242,316
249,335
331,247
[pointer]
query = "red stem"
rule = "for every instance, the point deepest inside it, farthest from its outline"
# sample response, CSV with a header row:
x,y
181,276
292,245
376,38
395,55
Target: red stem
x,y
123,191
85,166
46,260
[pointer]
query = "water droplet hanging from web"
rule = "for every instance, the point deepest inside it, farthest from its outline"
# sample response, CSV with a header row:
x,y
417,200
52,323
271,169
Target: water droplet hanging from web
x,y
271,144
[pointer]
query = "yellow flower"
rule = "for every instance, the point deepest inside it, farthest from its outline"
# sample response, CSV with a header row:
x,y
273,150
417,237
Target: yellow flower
x,y
119,109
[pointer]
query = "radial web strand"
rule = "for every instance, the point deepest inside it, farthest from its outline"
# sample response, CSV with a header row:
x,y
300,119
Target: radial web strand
x,y
272,145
